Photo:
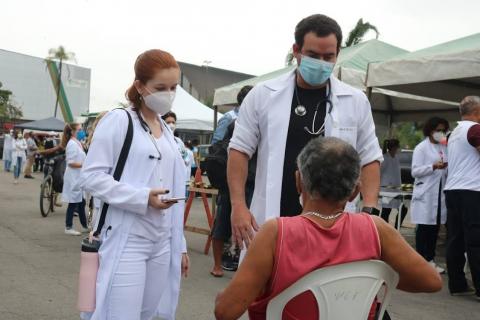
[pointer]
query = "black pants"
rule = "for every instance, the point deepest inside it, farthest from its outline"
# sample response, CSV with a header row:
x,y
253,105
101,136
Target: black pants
x,y
38,164
426,240
386,215
222,228
463,235
427,234
79,207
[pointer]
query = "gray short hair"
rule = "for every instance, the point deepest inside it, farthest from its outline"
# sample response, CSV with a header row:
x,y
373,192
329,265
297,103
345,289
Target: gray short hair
x,y
469,104
330,168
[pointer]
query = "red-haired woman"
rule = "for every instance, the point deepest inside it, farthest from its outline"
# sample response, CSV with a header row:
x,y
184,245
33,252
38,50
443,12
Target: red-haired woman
x,y
143,251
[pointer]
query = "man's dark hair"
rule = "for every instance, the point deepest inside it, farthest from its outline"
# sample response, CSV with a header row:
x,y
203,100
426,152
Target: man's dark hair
x,y
389,144
432,124
169,114
243,93
319,24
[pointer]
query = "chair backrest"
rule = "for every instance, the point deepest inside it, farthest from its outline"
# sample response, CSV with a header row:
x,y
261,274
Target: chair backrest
x,y
343,292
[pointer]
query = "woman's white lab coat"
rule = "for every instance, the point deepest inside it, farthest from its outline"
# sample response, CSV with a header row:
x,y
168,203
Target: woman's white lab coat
x,y
128,199
19,149
263,122
74,153
424,204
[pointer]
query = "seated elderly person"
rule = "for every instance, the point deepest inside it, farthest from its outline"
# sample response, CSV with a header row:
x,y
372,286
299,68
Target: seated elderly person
x,y
285,249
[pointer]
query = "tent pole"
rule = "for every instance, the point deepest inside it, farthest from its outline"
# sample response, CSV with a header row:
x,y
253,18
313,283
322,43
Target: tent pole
x,y
390,116
215,115
369,94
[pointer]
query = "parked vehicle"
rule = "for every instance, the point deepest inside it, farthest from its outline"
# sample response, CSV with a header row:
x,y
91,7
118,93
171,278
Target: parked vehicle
x,y
405,157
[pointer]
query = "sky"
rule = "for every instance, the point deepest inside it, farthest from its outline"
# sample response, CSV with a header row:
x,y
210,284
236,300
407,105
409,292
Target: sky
x,y
249,36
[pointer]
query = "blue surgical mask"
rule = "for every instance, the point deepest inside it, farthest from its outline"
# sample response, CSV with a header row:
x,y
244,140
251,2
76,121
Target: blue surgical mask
x,y
81,135
314,71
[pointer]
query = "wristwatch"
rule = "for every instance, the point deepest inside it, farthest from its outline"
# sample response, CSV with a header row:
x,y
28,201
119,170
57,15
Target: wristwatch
x,y
371,210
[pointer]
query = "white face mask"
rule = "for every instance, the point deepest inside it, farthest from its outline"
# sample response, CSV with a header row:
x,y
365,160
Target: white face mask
x,y
160,102
438,136
172,126
300,199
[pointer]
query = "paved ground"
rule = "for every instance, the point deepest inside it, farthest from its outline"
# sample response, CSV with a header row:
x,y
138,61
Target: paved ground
x,y
39,266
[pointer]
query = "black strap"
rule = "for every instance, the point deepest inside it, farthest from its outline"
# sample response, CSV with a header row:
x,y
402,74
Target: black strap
x,y
122,159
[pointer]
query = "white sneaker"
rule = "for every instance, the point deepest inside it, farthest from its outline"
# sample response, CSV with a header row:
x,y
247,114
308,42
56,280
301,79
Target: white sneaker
x,y
72,232
85,230
437,267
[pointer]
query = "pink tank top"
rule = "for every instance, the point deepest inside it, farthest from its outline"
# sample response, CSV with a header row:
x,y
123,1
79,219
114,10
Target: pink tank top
x,y
304,246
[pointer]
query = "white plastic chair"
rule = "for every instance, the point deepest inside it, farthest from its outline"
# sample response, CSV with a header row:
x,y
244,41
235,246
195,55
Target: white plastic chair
x,y
343,292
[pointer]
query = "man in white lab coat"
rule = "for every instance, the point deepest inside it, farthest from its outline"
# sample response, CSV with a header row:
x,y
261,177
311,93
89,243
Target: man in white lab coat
x,y
279,117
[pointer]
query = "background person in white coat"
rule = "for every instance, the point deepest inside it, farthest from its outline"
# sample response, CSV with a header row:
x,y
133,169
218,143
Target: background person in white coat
x,y
170,119
71,193
390,176
19,156
280,116
143,251
428,211
7,150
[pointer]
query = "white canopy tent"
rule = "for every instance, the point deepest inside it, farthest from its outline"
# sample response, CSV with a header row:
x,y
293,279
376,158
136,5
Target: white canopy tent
x,y
448,71
191,113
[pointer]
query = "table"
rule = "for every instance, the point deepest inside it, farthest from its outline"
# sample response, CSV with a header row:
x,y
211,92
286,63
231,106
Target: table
x,y
395,193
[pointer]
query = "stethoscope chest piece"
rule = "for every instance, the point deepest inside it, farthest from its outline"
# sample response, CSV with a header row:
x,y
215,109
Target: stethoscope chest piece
x,y
300,110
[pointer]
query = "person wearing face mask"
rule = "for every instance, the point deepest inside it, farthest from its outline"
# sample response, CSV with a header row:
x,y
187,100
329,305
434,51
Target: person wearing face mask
x,y
170,119
429,168
143,250
18,155
7,150
32,149
462,193
71,194
280,116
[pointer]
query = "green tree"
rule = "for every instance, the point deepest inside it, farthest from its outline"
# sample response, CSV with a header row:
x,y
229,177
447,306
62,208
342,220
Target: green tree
x,y
408,133
290,58
357,34
8,110
59,54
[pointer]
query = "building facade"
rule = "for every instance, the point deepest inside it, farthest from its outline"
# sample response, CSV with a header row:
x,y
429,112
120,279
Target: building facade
x,y
33,90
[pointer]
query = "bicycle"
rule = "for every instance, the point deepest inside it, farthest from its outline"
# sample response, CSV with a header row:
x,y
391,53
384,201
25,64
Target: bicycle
x,y
48,194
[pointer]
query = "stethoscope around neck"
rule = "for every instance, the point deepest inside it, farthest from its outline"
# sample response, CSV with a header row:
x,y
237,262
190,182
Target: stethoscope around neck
x,y
301,111
147,129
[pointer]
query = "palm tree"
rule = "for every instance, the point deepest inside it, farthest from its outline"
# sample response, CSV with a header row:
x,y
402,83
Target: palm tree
x,y
358,32
290,58
61,55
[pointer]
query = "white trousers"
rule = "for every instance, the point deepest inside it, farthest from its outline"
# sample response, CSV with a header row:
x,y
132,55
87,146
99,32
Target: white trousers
x,y
139,281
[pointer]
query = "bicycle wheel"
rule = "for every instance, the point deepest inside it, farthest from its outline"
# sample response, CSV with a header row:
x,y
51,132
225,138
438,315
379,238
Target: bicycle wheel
x,y
46,196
